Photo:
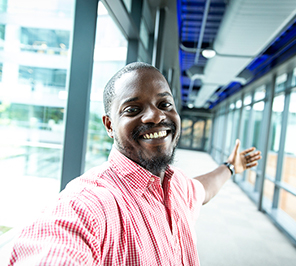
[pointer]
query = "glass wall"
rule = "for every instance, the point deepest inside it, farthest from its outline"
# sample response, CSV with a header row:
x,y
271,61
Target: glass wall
x,y
34,62
288,200
110,56
266,119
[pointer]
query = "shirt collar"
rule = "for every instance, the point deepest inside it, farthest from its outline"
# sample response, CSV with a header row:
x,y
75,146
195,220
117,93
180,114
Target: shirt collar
x,y
137,176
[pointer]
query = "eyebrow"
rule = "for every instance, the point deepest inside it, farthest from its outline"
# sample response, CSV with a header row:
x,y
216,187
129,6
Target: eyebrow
x,y
133,99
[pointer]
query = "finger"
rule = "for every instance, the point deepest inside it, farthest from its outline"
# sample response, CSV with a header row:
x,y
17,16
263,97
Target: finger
x,y
256,158
250,165
254,154
248,150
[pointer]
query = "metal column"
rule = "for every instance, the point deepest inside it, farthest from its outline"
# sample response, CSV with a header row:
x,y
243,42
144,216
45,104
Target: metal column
x,y
76,122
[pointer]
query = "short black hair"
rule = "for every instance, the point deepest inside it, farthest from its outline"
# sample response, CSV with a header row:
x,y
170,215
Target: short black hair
x,y
109,91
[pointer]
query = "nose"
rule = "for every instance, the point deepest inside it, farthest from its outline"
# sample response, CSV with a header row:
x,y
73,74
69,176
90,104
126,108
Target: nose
x,y
153,115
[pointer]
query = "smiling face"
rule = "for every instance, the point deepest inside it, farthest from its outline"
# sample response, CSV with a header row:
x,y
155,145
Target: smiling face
x,y
143,119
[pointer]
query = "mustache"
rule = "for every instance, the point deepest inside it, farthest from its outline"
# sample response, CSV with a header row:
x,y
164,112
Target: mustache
x,y
141,129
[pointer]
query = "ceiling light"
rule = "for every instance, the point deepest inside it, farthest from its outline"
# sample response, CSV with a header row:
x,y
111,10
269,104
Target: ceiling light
x,y
208,53
190,105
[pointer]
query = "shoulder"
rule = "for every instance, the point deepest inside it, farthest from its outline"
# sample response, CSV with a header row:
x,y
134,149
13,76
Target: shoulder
x,y
192,189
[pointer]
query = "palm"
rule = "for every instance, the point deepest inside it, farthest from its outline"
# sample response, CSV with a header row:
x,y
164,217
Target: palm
x,y
245,159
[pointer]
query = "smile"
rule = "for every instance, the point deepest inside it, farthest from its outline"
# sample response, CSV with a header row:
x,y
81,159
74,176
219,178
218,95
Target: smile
x,y
155,135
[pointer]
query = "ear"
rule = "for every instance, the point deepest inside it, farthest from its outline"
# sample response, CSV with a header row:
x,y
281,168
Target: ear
x,y
108,125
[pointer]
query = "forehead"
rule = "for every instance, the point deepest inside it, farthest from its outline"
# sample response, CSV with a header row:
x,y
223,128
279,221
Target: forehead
x,y
139,82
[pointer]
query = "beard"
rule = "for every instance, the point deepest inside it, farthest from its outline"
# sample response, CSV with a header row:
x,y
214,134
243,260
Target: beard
x,y
158,163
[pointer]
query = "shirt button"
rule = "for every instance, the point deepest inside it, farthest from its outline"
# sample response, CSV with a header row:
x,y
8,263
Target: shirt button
x,y
152,179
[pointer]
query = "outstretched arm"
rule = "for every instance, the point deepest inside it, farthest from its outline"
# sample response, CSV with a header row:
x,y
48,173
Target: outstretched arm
x,y
214,180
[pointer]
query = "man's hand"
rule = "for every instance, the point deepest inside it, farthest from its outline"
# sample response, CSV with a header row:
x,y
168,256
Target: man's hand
x,y
245,159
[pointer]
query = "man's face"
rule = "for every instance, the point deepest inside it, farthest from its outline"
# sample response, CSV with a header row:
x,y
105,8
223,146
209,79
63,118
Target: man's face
x,y
143,120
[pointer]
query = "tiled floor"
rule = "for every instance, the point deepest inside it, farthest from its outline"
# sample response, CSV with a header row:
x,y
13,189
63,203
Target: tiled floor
x,y
230,230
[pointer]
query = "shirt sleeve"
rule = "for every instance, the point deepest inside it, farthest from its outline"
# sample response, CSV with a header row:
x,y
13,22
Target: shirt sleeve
x,y
66,235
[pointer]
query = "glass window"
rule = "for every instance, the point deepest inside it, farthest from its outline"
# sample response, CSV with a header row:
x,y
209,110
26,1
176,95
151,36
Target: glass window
x,y
235,128
275,132
247,99
245,126
1,70
31,117
258,109
289,165
3,5
257,116
144,33
109,57
49,41
231,106
238,104
128,5
260,93
293,83
287,203
186,135
48,77
280,83
268,190
229,132
2,35
198,134
207,134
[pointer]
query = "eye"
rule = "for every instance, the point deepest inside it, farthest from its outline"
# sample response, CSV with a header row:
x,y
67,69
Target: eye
x,y
165,105
131,110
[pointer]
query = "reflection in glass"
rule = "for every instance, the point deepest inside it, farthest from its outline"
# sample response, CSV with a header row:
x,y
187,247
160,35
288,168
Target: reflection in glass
x,y
110,56
33,73
44,41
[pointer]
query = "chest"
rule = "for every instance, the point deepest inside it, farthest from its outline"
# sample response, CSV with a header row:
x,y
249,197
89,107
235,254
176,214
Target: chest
x,y
152,228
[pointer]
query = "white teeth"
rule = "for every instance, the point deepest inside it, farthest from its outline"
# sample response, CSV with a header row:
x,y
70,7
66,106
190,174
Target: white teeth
x,y
155,135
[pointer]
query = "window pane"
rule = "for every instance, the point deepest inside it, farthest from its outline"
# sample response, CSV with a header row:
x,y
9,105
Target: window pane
x,y
287,203
245,126
198,134
144,34
229,132
248,99
128,5
289,165
48,41
2,34
260,93
275,131
32,77
186,135
110,56
280,83
268,190
207,134
258,116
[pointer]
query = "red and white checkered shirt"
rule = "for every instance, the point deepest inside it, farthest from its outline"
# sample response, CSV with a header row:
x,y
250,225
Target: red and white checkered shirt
x,y
116,214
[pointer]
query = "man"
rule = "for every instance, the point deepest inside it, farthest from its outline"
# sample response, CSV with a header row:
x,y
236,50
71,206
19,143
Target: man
x,y
135,209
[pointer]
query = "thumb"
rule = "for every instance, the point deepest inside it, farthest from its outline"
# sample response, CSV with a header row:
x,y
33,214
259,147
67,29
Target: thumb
x,y
234,152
